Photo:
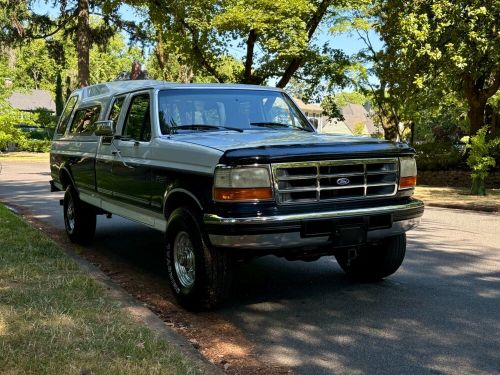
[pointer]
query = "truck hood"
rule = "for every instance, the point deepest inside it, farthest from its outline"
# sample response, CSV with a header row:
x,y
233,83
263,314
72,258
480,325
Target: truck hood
x,y
278,145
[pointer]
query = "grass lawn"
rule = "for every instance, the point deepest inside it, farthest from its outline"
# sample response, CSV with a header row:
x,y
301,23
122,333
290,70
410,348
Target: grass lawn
x,y
56,319
459,198
27,156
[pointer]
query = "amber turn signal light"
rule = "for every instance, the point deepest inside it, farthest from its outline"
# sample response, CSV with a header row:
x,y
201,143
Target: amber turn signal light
x,y
407,182
242,194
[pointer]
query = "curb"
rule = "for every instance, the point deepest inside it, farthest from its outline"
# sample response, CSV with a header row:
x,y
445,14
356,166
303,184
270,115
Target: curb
x,y
147,317
488,209
134,307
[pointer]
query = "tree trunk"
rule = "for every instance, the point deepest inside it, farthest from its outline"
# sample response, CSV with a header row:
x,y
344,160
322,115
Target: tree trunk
x,y
83,43
312,25
476,114
478,185
252,38
68,87
59,94
391,132
160,52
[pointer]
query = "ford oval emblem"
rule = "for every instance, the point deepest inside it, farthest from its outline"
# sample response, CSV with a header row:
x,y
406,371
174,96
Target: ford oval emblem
x,y
343,181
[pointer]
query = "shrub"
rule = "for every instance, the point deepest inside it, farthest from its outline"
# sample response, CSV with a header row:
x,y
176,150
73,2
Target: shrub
x,y
480,159
35,145
436,156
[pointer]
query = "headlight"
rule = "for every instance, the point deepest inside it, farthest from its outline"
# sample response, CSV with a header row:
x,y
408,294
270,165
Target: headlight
x,y
407,173
242,184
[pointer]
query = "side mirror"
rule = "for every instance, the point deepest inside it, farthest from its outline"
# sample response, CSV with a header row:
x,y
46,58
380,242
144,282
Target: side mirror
x,y
104,128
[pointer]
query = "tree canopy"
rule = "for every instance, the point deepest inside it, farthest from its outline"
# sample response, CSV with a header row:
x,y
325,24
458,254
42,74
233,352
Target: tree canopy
x,y
442,46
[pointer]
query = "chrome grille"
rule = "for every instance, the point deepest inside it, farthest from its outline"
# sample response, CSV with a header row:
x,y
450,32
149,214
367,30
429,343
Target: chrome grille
x,y
318,181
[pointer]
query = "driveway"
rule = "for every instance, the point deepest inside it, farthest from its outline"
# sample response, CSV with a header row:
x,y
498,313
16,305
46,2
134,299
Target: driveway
x,y
440,313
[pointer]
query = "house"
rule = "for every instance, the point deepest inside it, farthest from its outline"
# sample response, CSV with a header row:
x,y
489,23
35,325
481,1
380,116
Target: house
x,y
314,112
32,101
357,120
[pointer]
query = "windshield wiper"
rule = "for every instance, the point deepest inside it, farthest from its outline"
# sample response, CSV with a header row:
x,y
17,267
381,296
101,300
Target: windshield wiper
x,y
204,127
270,124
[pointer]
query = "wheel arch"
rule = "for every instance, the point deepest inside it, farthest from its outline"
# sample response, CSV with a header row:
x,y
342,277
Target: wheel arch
x,y
179,197
66,178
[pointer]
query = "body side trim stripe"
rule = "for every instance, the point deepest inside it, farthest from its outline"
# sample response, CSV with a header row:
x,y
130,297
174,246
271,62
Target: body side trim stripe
x,y
142,216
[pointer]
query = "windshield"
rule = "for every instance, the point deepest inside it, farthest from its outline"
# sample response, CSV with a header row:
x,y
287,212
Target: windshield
x,y
188,110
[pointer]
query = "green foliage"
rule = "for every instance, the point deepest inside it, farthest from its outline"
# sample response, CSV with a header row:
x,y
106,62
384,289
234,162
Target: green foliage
x,y
359,129
440,47
331,108
108,61
480,158
269,40
445,121
34,68
9,118
34,145
438,156
354,97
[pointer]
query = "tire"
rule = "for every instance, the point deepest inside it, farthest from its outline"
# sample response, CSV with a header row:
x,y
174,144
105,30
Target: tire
x,y
199,275
79,218
374,261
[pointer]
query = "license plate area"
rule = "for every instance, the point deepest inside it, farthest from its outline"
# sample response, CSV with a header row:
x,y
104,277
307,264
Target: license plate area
x,y
348,236
342,232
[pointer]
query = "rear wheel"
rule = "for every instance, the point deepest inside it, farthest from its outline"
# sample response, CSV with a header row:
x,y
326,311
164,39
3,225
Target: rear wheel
x,y
374,261
79,218
200,276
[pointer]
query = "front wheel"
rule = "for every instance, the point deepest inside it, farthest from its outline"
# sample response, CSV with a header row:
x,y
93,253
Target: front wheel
x,y
374,261
79,218
199,275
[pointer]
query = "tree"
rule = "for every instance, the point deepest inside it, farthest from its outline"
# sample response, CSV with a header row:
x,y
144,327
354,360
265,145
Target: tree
x,y
9,118
446,45
274,40
34,68
20,23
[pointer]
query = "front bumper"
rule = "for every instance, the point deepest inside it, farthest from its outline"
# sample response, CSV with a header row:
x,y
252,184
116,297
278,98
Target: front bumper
x,y
290,231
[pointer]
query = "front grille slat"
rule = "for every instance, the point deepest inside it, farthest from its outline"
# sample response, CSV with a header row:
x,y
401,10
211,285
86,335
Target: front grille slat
x,y
332,180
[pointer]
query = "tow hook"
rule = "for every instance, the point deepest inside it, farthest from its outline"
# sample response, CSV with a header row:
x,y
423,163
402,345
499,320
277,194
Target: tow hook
x,y
352,254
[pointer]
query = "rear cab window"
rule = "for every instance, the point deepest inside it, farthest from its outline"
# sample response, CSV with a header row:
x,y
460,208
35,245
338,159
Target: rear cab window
x,y
84,120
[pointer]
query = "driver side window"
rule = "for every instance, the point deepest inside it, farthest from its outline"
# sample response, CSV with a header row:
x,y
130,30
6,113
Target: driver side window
x,y
137,124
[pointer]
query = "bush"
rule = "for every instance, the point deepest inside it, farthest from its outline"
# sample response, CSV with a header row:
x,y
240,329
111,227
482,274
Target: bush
x,y
438,156
35,145
480,159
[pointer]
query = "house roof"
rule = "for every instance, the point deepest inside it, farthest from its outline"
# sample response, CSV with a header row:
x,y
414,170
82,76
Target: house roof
x,y
32,101
355,114
308,107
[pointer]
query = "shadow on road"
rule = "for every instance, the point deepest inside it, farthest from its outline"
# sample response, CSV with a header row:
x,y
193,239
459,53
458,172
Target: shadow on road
x,y
311,317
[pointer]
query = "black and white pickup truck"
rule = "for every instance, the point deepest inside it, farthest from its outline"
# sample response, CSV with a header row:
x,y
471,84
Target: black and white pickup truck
x,y
231,172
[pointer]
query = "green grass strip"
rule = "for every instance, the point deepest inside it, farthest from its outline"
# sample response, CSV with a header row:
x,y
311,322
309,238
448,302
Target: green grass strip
x,y
56,319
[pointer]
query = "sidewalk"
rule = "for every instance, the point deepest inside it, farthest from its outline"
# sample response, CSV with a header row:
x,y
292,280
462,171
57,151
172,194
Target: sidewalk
x,y
459,198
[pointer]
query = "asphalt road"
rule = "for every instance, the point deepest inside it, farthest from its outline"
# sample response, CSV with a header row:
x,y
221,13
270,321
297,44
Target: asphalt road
x,y
439,314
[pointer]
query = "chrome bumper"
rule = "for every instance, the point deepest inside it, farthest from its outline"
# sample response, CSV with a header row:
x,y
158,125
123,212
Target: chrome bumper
x,y
409,213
